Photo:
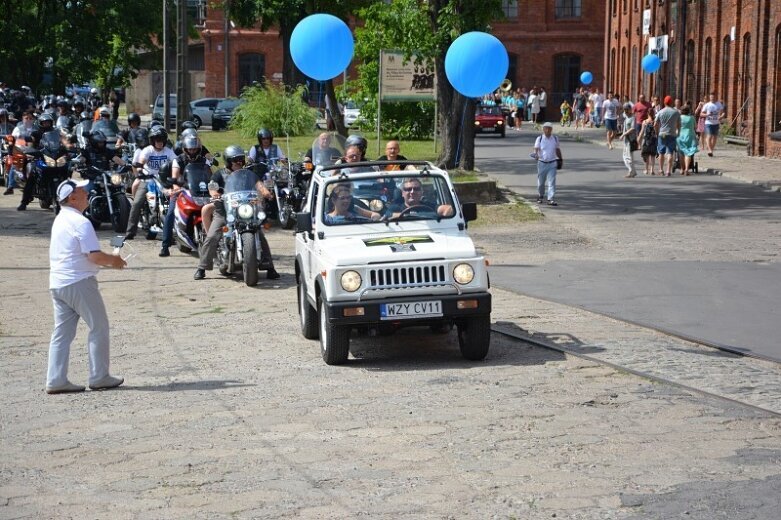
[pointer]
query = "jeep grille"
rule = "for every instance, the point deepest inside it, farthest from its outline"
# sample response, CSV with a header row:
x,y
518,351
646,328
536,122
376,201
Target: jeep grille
x,y
402,277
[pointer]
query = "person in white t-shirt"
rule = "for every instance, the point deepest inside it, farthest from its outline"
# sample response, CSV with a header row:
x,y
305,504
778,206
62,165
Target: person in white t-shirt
x,y
713,111
546,151
597,100
611,108
75,258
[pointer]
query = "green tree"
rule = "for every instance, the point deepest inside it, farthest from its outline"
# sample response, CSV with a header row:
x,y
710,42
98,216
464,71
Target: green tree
x,y
273,107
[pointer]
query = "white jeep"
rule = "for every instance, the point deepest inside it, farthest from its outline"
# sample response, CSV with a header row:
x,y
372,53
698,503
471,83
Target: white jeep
x,y
380,250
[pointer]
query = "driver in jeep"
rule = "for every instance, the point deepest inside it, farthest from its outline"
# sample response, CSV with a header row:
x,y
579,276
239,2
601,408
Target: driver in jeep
x,y
413,202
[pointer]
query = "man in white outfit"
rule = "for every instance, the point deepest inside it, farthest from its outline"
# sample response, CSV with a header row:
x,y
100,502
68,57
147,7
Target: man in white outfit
x,y
547,152
75,258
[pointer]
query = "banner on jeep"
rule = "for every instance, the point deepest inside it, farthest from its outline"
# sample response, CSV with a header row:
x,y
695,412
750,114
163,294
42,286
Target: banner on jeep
x,y
397,240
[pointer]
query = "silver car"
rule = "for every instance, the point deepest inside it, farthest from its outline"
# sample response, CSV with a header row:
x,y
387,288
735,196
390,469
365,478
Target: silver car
x,y
202,110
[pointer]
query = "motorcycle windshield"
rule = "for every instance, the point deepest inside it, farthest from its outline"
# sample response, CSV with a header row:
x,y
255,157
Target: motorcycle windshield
x,y
327,149
82,132
241,180
63,122
50,141
109,129
197,176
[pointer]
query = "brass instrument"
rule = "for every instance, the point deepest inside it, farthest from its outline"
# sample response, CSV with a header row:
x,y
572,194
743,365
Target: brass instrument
x,y
506,85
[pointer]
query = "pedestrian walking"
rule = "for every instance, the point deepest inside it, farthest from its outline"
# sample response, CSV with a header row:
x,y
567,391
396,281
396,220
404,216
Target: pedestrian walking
x,y
629,137
543,99
640,110
611,109
534,106
547,152
687,141
648,144
700,115
667,125
74,259
579,103
714,112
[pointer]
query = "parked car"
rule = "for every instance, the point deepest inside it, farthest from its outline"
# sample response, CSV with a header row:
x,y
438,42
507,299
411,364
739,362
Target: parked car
x,y
489,119
223,112
201,110
157,108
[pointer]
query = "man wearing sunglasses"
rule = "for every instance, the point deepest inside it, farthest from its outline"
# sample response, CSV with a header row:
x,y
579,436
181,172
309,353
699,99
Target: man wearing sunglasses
x,y
413,202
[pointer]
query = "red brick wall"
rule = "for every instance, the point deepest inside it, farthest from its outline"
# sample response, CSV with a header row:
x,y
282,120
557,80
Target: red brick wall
x,y
747,81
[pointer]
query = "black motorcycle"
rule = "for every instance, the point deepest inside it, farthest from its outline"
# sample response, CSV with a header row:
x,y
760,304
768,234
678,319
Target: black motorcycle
x,y
108,201
291,198
51,167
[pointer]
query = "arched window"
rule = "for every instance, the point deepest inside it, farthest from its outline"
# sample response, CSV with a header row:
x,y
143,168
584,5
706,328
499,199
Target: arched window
x,y
633,74
691,79
745,75
622,86
611,70
776,124
706,68
725,72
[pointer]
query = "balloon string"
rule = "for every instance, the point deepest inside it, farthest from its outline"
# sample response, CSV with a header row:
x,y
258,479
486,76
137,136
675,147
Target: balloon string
x,y
461,137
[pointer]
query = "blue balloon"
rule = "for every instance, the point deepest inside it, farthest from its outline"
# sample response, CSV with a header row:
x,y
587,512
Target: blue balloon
x,y
476,63
586,78
651,63
321,46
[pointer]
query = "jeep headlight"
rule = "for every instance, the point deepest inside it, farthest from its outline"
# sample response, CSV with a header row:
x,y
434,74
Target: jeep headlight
x,y
245,211
351,281
377,205
463,273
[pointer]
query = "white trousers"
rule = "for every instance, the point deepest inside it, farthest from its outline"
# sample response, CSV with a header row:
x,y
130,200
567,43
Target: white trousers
x,y
629,159
79,300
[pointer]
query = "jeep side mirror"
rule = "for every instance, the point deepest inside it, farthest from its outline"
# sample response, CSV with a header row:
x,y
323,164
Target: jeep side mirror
x,y
304,222
470,211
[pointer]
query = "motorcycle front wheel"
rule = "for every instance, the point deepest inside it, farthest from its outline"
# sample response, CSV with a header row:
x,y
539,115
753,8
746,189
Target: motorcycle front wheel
x,y
286,217
121,213
250,261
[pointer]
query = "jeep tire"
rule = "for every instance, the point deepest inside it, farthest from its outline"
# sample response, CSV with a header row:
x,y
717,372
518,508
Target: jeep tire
x,y
474,337
334,339
307,314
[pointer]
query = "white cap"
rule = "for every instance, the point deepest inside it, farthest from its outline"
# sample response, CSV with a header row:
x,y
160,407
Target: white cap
x,y
547,125
67,186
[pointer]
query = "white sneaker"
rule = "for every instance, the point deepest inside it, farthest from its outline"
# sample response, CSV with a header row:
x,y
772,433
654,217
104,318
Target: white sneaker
x,y
107,382
68,387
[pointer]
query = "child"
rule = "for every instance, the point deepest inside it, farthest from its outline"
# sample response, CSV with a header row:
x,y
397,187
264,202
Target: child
x,y
566,113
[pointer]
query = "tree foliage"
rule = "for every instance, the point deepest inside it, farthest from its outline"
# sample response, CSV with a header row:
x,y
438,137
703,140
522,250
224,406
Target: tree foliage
x,y
74,41
273,107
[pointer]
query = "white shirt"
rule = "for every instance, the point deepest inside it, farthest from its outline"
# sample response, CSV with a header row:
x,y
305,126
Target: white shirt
x,y
712,112
23,131
154,160
73,238
611,109
543,99
534,103
546,147
597,99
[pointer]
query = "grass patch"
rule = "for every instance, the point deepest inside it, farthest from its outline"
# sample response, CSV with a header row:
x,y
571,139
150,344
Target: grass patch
x,y
506,214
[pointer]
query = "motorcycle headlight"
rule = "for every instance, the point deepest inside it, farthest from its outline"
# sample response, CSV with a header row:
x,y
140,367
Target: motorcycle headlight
x,y
245,211
351,281
62,161
116,179
261,215
49,161
463,273
377,205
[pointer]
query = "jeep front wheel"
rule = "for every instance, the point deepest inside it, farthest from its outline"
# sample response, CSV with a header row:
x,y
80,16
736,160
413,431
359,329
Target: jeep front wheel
x,y
307,313
334,339
474,337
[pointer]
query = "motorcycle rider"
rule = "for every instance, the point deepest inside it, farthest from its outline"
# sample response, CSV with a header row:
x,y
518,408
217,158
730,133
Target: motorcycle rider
x,y
24,129
98,155
323,153
125,136
192,153
45,124
6,128
359,141
234,161
150,161
266,150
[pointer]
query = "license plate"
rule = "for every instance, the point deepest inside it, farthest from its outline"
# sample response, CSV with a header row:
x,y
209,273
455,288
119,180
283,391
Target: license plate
x,y
407,310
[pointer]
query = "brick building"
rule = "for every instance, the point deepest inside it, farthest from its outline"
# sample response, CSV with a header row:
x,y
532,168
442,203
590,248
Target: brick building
x,y
549,42
732,47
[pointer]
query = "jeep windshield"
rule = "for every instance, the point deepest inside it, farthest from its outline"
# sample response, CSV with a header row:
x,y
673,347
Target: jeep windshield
x,y
386,197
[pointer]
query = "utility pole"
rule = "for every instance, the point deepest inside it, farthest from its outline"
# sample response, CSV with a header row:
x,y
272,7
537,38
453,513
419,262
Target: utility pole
x,y
166,88
226,47
182,76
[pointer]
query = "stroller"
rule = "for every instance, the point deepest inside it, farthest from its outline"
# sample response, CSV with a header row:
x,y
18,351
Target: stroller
x,y
678,166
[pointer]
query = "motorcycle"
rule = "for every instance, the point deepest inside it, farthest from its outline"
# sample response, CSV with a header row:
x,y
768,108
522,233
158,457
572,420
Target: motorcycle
x,y
153,212
291,198
239,248
194,195
16,158
108,201
50,169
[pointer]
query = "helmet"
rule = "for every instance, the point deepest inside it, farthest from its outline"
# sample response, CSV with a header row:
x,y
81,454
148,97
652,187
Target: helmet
x,y
186,125
105,111
141,137
357,140
232,153
78,102
191,146
132,117
153,123
3,112
158,133
85,116
189,132
265,133
62,103
97,138
93,91
46,116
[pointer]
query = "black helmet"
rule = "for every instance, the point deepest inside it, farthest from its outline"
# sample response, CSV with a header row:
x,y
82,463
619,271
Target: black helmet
x,y
153,123
85,116
62,103
132,117
357,140
46,116
158,133
96,137
232,153
188,124
78,104
265,133
141,137
191,146
188,132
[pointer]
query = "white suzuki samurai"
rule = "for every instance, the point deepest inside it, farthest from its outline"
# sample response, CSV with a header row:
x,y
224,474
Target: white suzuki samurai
x,y
379,250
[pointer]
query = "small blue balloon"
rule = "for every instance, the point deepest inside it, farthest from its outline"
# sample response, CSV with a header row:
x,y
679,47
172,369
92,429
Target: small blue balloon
x,y
586,77
651,63
476,63
321,46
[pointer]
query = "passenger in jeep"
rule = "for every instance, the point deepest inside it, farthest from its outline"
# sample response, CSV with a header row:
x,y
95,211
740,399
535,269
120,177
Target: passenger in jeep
x,y
344,210
413,202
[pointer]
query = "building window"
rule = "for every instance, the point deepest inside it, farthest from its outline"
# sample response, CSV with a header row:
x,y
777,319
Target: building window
x,y
706,68
613,7
624,4
510,8
776,125
622,86
252,69
745,75
724,94
691,80
512,69
633,74
567,9
611,70
566,78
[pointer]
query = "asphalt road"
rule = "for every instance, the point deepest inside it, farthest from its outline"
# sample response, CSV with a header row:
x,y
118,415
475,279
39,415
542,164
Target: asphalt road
x,y
696,256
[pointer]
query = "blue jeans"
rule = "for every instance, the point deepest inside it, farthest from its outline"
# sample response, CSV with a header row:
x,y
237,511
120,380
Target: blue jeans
x,y
12,177
168,225
546,178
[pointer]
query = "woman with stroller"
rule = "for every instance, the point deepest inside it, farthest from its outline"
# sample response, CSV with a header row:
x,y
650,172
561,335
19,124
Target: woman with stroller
x,y
687,141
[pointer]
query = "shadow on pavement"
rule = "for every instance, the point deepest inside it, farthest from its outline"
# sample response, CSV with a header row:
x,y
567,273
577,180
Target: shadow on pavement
x,y
188,386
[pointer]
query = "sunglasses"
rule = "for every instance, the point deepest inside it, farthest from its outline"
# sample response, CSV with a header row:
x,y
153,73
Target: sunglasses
x,y
353,156
413,188
344,197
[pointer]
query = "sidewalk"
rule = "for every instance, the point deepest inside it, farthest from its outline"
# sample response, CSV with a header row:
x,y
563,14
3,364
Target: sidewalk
x,y
728,160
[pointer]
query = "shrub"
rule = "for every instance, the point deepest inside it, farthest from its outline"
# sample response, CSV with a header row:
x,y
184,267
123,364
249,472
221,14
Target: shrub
x,y
275,107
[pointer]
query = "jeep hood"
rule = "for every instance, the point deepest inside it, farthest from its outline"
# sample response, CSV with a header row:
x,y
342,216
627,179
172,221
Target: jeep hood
x,y
344,251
